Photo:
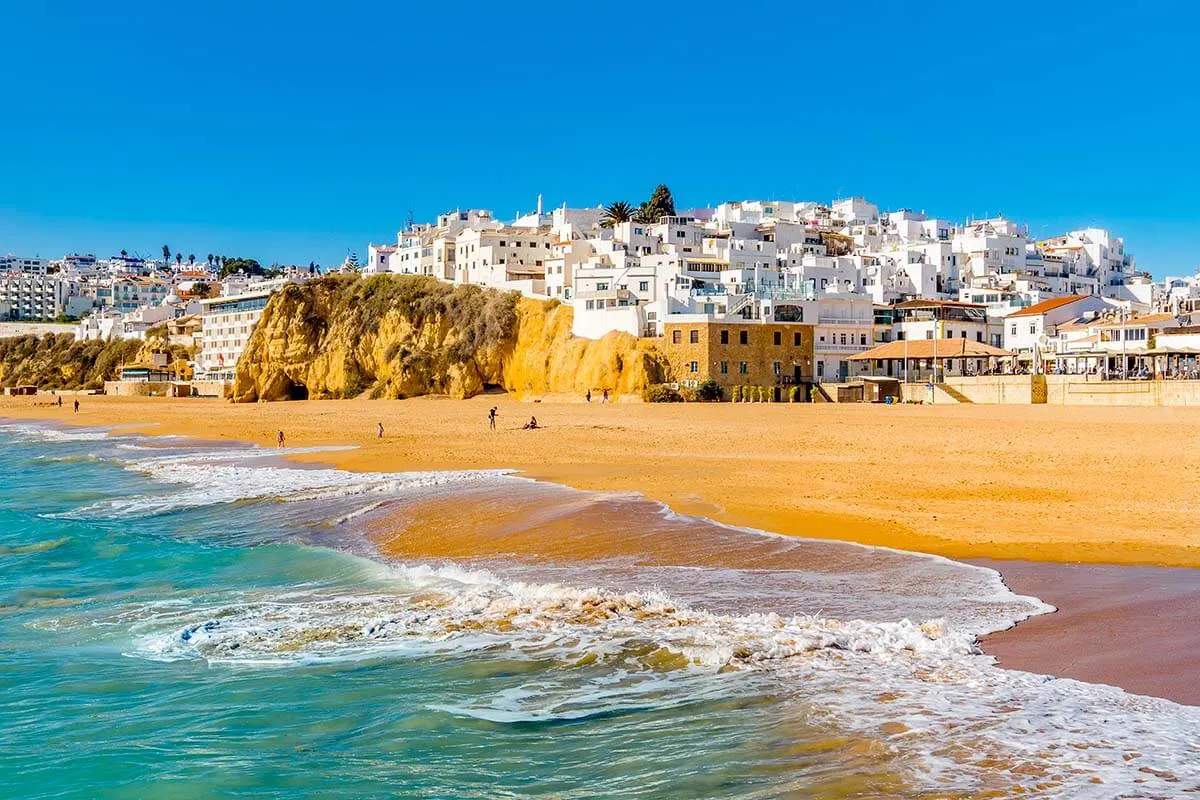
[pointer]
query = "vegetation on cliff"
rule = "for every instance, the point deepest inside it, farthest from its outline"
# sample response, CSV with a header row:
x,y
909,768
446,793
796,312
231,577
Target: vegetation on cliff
x,y
57,361
400,336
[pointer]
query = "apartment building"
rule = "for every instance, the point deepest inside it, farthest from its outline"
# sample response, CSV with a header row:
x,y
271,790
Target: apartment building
x,y
776,355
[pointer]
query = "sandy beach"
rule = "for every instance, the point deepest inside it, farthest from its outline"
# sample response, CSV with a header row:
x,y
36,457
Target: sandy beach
x,y
1133,627
1040,483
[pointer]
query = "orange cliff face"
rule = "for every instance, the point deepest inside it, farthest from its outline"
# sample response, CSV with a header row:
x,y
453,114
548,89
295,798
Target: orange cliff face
x,y
405,336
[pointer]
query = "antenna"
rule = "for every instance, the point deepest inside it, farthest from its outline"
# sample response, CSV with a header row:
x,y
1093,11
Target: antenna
x,y
408,221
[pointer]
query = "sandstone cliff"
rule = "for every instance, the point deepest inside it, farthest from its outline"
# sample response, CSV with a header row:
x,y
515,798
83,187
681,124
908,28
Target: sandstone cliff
x,y
402,336
57,361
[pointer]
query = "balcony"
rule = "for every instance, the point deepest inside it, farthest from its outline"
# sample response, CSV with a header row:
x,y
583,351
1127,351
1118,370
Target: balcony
x,y
844,321
833,347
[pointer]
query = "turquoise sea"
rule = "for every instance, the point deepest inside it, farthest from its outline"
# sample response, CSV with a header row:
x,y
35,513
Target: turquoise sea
x,y
181,619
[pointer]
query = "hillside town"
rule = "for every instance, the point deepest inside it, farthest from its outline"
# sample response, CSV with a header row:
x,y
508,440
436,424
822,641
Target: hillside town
x,y
764,293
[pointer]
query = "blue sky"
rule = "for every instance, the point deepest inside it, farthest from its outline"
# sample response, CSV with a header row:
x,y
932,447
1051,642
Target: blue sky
x,y
295,131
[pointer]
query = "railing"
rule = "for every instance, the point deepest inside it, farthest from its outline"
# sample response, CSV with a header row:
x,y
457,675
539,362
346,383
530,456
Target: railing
x,y
843,321
832,347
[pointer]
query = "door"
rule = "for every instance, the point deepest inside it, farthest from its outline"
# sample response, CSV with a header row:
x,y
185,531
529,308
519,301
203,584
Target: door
x,y
843,371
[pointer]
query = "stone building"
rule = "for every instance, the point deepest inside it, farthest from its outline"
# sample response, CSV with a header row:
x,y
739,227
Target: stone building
x,y
777,355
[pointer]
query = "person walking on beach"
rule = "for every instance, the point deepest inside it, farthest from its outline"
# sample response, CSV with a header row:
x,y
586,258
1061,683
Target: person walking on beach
x,y
279,440
60,401
604,399
76,406
589,395
379,431
492,418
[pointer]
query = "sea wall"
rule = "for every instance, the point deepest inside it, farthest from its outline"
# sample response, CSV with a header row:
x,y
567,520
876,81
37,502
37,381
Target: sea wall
x,y
1072,390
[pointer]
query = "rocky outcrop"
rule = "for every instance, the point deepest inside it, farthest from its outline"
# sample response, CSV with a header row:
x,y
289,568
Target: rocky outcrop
x,y
403,336
57,361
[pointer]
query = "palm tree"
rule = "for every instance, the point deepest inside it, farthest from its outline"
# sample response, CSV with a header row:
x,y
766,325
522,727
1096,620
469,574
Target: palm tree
x,y
166,254
616,213
191,259
178,259
210,258
124,253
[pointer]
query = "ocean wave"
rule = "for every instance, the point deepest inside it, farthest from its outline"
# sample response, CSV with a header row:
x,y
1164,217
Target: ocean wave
x,y
922,688
453,610
215,482
42,433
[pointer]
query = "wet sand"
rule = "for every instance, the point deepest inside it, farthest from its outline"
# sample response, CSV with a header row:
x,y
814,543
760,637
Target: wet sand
x,y
1133,627
1043,483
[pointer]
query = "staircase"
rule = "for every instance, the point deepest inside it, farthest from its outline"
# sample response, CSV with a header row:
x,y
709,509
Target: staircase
x,y
738,303
946,392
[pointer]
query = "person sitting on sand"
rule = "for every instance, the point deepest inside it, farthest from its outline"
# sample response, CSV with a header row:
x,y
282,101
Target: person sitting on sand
x,y
531,425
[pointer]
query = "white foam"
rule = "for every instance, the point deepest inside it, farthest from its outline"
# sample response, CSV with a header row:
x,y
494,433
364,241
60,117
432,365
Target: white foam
x,y
950,708
215,477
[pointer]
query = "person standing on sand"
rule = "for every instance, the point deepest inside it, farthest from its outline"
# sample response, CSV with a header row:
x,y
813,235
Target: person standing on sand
x,y
60,401
76,406
379,431
605,397
492,418
279,440
589,395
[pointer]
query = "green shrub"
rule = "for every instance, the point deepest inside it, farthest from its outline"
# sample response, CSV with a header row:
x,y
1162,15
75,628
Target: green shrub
x,y
689,394
709,392
661,393
794,394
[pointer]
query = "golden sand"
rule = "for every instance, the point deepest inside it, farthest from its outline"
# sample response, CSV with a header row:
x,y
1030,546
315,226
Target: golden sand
x,y
1112,485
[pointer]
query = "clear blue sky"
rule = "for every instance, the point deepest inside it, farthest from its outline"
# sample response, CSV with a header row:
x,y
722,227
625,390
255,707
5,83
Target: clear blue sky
x,y
293,131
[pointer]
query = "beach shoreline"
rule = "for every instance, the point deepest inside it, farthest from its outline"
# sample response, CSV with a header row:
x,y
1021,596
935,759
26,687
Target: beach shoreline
x,y
1034,483
1133,627
1099,634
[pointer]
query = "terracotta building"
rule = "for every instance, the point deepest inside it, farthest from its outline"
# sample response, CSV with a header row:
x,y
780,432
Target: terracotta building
x,y
776,355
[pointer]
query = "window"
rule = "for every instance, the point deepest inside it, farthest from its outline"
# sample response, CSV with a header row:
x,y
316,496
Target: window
x,y
1032,327
743,337
694,337
778,338
724,367
862,339
1014,329
777,367
724,337
602,286
964,334
928,334
820,369
676,336
796,339
979,336
949,333
502,244
843,338
743,368
644,286
694,366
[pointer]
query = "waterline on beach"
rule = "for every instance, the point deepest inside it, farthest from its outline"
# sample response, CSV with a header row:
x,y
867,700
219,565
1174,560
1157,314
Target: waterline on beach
x,y
696,658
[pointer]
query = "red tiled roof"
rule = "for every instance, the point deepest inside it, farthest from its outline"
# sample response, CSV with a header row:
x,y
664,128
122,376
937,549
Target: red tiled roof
x,y
1037,309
